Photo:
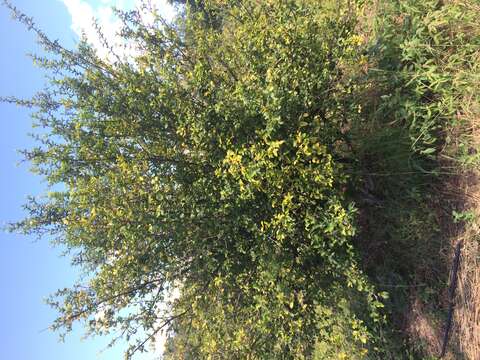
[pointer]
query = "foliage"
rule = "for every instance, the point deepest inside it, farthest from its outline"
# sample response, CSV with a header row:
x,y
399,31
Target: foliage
x,y
222,162
209,163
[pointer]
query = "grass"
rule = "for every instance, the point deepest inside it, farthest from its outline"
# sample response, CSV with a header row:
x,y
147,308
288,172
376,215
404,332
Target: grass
x,y
416,180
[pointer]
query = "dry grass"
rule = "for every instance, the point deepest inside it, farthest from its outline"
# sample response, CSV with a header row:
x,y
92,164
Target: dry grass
x,y
467,311
421,327
466,322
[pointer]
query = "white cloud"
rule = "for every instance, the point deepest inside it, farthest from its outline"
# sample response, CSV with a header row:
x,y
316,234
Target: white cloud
x,y
83,12
161,337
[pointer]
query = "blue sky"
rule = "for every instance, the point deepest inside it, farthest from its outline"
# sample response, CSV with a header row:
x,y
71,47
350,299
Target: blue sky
x,y
29,270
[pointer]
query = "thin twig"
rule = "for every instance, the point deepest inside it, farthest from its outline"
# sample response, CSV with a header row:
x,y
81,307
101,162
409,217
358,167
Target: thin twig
x,y
451,297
